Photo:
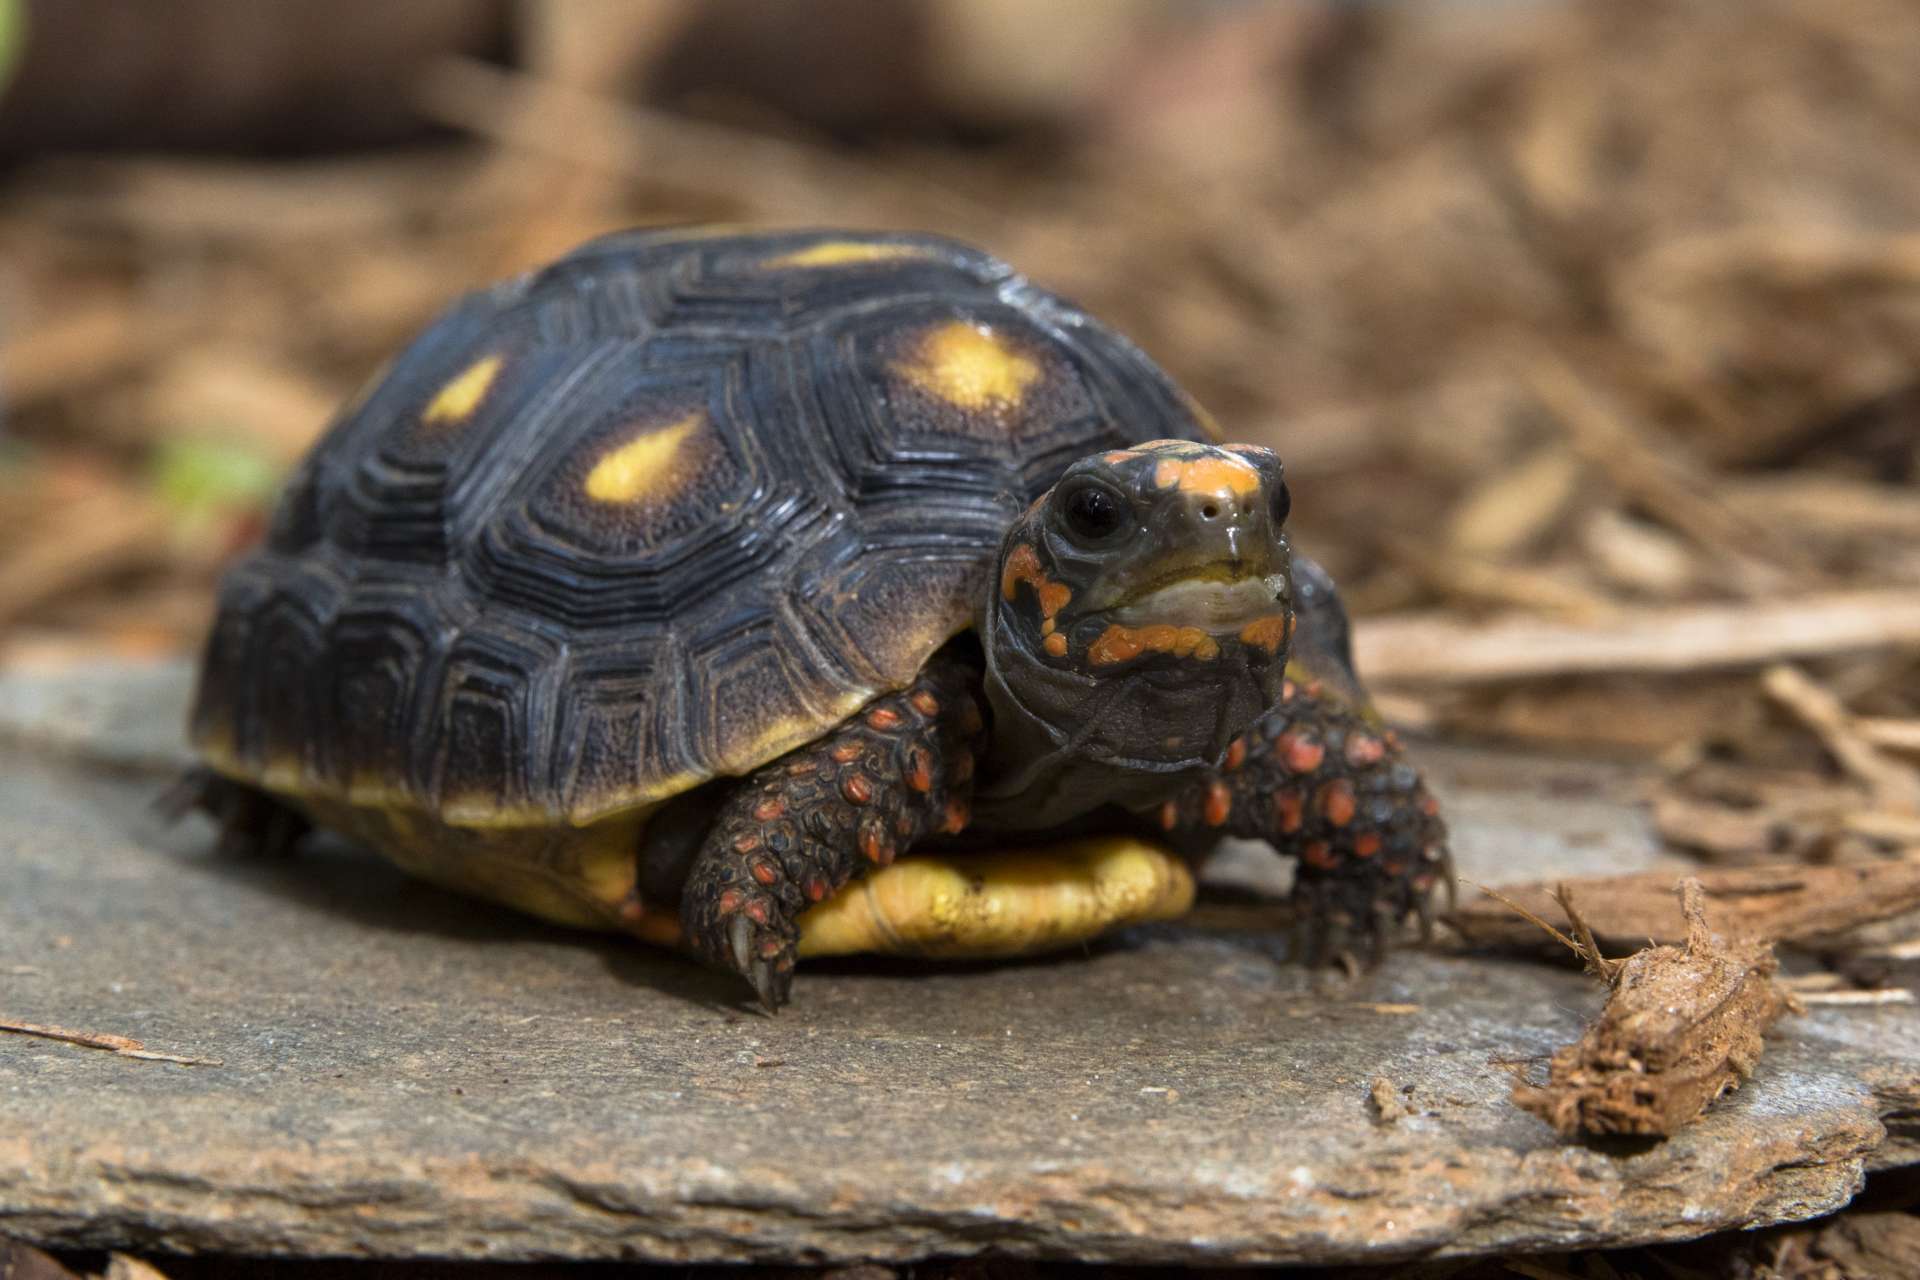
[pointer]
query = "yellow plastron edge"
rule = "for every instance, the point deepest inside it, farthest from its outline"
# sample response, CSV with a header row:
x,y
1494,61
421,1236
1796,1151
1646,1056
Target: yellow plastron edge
x,y
1012,902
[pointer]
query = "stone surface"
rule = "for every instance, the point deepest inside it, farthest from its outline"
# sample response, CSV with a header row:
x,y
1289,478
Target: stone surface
x,y
404,1072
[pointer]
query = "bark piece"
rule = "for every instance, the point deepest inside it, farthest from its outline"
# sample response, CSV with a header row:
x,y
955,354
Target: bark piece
x,y
1828,908
1681,1027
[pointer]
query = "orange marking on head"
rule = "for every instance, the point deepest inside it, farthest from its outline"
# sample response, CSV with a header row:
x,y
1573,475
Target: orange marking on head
x,y
1224,474
1169,816
1122,644
746,843
856,788
764,872
1055,644
884,719
846,752
1114,457
1236,754
769,809
1268,633
1365,846
1318,853
925,703
919,770
958,815
1023,565
1219,803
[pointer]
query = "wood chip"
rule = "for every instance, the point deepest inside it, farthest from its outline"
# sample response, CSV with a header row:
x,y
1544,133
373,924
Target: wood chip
x,y
1681,1026
24,1262
122,1267
1829,908
1888,995
1383,1101
1895,786
124,1046
1443,648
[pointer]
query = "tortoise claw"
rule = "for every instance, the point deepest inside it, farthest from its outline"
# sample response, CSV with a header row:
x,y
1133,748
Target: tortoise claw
x,y
740,944
771,982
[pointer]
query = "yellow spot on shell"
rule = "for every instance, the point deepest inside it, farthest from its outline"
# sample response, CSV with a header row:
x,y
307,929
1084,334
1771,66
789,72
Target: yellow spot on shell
x,y
837,253
456,401
645,466
971,367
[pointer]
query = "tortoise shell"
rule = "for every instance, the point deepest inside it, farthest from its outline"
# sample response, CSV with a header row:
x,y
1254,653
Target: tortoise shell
x,y
661,511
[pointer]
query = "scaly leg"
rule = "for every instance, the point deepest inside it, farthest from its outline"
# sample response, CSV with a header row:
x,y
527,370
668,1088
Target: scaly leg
x,y
798,829
1318,780
251,821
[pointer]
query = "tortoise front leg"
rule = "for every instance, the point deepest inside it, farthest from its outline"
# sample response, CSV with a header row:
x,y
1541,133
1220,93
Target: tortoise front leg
x,y
1316,779
801,827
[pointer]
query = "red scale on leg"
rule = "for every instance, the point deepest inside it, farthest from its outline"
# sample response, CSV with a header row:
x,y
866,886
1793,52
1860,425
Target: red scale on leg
x,y
829,812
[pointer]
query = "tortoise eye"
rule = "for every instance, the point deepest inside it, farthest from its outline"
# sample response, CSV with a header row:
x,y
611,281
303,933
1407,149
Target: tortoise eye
x,y
1282,503
1094,512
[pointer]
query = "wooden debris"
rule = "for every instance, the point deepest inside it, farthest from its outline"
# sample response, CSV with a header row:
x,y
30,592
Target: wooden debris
x,y
1383,1101
1449,649
125,1046
122,1266
1681,1026
24,1262
1894,787
1811,907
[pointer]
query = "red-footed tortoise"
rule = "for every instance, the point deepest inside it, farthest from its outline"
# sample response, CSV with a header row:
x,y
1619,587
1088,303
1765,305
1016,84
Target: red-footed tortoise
x,y
678,585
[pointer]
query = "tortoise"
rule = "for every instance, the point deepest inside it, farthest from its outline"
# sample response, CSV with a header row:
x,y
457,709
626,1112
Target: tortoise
x,y
677,585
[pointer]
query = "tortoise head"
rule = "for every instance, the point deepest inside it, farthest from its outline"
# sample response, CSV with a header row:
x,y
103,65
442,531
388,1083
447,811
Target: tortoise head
x,y
1140,622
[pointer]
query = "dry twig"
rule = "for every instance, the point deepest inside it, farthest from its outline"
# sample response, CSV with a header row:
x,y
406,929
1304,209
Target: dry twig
x,y
124,1046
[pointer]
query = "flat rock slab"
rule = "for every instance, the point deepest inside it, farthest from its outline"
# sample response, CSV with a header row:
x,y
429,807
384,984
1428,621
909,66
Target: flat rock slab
x,y
407,1073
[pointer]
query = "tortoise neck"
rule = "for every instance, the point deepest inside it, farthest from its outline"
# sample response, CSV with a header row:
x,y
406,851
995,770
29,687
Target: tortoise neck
x,y
1065,743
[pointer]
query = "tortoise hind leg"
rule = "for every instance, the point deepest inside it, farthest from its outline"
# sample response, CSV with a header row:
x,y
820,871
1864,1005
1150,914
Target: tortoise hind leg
x,y
799,828
251,821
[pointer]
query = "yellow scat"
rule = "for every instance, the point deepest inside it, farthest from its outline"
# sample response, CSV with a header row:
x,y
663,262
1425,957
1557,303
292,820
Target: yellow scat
x,y
838,253
971,367
456,401
1016,902
644,466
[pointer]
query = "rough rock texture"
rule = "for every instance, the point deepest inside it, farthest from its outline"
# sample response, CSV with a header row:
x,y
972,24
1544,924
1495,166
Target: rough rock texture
x,y
404,1072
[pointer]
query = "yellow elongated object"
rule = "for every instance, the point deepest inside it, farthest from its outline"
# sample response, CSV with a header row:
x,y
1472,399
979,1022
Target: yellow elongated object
x,y
1006,903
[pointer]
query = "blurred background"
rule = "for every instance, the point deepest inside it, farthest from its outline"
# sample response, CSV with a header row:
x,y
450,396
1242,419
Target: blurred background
x,y
1590,332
